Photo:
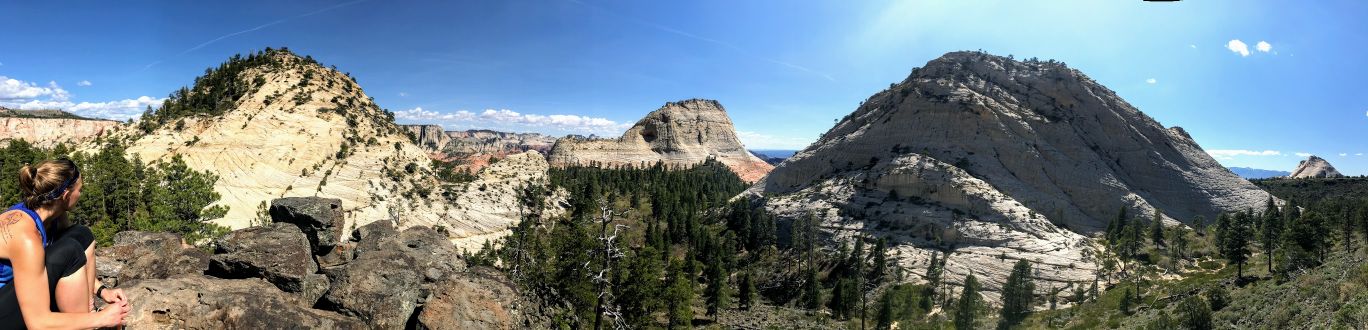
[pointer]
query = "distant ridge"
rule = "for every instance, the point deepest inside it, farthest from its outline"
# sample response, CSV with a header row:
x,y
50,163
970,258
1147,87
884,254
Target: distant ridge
x,y
1255,173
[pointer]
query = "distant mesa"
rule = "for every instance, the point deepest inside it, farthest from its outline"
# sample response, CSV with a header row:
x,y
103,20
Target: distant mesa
x,y
474,149
1255,173
1314,167
679,134
48,128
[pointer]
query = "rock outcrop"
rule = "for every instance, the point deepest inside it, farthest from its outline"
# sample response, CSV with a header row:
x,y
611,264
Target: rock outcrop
x,y
1314,167
679,134
48,128
302,129
268,277
999,160
472,150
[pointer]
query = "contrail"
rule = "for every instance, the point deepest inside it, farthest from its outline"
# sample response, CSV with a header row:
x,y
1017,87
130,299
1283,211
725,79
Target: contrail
x,y
258,27
728,45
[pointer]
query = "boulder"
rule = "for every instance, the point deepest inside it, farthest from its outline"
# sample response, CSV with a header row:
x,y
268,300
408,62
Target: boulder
x,y
319,218
380,287
128,246
127,260
276,252
479,299
200,302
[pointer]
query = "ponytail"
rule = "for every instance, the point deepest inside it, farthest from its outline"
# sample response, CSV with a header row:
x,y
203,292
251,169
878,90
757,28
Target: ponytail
x,y
40,184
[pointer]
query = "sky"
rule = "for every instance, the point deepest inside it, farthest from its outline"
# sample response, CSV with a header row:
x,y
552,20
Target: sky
x,y
1256,83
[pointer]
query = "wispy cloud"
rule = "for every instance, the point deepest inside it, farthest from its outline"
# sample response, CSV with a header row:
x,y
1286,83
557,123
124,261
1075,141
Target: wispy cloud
x,y
724,44
83,83
1239,47
1302,154
1151,81
512,119
258,27
1343,154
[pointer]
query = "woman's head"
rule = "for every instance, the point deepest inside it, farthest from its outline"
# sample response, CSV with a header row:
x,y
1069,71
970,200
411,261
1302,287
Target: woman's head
x,y
55,183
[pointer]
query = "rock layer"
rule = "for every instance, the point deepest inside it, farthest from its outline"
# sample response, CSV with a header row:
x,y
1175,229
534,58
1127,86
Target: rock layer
x,y
1314,167
48,128
472,150
678,134
997,160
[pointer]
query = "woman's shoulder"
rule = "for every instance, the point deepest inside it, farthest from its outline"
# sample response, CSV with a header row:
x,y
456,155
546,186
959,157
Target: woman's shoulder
x,y
16,222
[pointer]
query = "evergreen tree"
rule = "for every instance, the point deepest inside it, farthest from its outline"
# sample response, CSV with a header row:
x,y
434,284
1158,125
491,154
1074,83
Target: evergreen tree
x,y
812,294
1270,231
747,292
884,317
718,293
1157,229
1194,314
1126,301
1234,241
966,309
880,258
679,295
1017,295
1199,225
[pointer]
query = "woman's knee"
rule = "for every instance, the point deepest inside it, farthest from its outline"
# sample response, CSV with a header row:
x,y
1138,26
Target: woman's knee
x,y
79,233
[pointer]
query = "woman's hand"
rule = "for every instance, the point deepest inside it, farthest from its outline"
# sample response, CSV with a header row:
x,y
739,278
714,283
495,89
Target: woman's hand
x,y
111,296
112,315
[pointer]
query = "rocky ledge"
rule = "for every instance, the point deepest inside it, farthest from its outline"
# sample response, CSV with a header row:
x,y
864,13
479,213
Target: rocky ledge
x,y
278,276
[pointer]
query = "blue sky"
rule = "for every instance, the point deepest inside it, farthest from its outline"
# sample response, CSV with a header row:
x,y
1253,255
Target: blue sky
x,y
785,70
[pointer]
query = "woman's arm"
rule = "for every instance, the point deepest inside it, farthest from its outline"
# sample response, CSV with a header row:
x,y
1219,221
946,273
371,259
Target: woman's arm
x,y
31,284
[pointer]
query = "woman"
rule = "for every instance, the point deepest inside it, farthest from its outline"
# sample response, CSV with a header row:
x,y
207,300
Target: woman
x,y
47,265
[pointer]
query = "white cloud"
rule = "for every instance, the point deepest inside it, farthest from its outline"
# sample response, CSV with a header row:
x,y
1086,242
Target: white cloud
x,y
1263,46
513,119
83,83
24,95
1343,154
402,94
1239,47
754,140
1193,46
1365,113
1230,153
13,89
1303,154
1358,154
1151,81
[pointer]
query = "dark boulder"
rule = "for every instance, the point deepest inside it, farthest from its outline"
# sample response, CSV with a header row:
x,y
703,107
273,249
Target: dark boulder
x,y
380,287
276,252
478,299
319,218
200,302
139,256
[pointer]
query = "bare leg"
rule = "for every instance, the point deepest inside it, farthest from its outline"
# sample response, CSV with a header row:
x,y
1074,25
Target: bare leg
x,y
73,293
90,272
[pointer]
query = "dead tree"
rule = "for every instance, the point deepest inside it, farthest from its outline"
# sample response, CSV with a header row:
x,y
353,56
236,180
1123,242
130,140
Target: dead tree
x,y
607,252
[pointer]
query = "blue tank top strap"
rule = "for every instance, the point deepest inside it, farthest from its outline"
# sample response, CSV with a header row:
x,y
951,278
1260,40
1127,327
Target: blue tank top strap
x,y
36,220
6,269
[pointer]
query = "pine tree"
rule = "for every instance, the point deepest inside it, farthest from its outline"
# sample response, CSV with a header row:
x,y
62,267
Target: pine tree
x,y
1270,231
1193,313
966,309
718,294
884,318
679,295
880,257
1017,295
1234,241
812,294
1157,229
1126,302
747,291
